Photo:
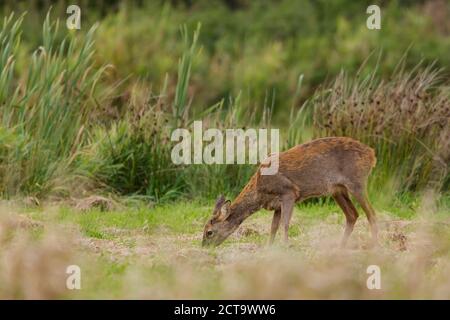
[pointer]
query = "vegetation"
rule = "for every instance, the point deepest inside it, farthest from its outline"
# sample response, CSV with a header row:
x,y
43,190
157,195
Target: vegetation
x,y
406,119
61,122
44,108
142,253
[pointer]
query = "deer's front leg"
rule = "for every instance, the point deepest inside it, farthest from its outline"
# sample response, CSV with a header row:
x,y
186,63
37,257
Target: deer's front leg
x,y
275,225
287,205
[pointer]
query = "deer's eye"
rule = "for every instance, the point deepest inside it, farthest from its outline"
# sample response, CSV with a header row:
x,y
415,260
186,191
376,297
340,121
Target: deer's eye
x,y
209,233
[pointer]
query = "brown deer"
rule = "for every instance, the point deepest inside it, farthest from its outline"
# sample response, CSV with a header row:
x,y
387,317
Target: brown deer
x,y
336,166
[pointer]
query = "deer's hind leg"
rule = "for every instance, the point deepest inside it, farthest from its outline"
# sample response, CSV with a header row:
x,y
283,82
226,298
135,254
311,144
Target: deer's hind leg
x,y
351,214
275,224
360,194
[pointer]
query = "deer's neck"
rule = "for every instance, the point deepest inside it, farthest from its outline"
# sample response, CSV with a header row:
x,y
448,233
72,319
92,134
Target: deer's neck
x,y
245,204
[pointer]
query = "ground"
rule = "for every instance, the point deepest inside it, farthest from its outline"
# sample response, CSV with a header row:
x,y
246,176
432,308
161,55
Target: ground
x,y
137,251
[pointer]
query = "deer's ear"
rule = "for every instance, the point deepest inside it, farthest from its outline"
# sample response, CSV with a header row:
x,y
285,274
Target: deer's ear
x,y
224,211
219,202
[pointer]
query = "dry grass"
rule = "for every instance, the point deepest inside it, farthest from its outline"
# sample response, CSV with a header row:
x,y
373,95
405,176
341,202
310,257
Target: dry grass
x,y
312,267
88,203
31,267
157,262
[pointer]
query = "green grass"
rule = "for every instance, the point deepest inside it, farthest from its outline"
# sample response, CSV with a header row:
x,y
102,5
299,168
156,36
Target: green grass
x,y
183,217
44,107
189,217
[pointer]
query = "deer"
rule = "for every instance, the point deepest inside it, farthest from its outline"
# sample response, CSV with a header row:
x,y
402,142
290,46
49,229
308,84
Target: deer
x,y
332,166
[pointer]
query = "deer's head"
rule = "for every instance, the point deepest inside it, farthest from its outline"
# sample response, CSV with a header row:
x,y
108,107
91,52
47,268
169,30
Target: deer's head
x,y
217,229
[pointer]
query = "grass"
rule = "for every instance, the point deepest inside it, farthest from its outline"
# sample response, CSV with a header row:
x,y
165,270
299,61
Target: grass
x,y
44,108
142,252
183,217
404,120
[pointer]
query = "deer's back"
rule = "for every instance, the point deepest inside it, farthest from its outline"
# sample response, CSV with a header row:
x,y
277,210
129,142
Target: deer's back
x,y
316,167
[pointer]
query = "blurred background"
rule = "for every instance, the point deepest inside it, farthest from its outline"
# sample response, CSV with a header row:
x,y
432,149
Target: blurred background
x,y
95,108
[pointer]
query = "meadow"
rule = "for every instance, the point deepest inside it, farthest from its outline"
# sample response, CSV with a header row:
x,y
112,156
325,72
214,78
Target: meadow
x,y
156,253
86,176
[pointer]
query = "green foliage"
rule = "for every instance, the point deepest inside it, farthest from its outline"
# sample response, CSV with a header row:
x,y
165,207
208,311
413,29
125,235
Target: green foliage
x,y
62,121
284,39
134,158
44,107
180,103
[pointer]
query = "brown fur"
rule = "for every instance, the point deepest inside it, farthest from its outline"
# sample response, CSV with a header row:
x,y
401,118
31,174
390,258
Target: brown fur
x,y
335,166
